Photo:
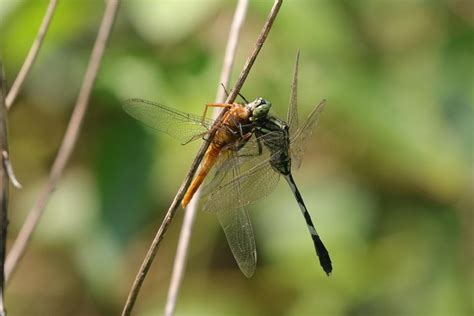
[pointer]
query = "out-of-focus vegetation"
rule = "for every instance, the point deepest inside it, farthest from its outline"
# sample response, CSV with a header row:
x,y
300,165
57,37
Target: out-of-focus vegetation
x,y
388,175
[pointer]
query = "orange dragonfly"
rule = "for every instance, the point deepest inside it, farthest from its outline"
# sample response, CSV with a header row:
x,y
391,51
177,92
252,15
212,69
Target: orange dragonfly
x,y
233,130
249,152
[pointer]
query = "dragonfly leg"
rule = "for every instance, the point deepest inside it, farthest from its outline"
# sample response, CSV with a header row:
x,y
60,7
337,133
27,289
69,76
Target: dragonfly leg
x,y
227,93
247,102
233,132
195,137
259,145
241,131
236,124
225,90
221,105
241,128
240,144
213,105
246,129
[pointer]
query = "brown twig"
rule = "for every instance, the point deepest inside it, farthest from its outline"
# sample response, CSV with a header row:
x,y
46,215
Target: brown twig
x,y
191,210
32,54
152,250
3,188
69,140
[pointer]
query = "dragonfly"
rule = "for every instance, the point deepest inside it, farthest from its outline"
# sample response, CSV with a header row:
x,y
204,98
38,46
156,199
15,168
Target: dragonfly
x,y
233,130
241,164
253,172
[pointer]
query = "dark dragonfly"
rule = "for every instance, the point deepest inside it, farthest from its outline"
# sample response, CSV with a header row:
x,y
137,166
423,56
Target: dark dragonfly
x,y
253,172
274,133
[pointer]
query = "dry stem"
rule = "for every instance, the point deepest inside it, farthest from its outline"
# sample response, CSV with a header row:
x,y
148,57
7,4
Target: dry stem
x,y
186,230
32,54
69,140
3,188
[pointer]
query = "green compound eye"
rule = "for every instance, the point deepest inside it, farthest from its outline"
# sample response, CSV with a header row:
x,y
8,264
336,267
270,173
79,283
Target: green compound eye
x,y
259,107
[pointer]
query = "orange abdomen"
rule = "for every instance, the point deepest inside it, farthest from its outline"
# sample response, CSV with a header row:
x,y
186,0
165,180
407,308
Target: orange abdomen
x,y
209,160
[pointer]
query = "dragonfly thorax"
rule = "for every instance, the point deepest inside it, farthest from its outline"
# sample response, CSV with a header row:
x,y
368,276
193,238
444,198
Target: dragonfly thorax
x,y
259,108
274,133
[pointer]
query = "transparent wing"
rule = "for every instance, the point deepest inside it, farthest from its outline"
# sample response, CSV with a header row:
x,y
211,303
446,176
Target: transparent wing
x,y
239,233
240,176
222,172
182,126
292,117
255,146
300,138
246,158
257,181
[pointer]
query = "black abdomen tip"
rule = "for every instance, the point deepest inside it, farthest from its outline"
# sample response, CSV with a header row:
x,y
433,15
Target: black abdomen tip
x,y
323,255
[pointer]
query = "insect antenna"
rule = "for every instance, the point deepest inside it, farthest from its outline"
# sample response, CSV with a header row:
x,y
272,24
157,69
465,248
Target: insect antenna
x,y
227,93
243,98
225,90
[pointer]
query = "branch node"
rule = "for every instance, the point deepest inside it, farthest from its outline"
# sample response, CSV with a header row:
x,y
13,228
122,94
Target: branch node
x,y
8,167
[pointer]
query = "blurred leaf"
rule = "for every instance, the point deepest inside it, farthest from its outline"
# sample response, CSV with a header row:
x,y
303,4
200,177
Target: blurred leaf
x,y
163,21
123,167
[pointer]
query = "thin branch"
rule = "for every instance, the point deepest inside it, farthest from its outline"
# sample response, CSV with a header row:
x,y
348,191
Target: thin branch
x,y
181,255
258,45
32,54
151,253
69,140
234,33
3,188
191,210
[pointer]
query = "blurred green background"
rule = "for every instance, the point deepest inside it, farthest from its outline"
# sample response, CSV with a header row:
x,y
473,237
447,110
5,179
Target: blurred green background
x,y
388,175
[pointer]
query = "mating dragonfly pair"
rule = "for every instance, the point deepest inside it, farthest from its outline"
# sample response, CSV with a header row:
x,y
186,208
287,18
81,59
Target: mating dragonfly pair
x,y
249,152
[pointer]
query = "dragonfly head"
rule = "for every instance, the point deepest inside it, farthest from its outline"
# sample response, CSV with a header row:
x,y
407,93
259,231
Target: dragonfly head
x,y
259,108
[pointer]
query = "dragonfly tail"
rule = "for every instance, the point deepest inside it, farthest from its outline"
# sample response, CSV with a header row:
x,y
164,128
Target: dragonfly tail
x,y
209,160
321,250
